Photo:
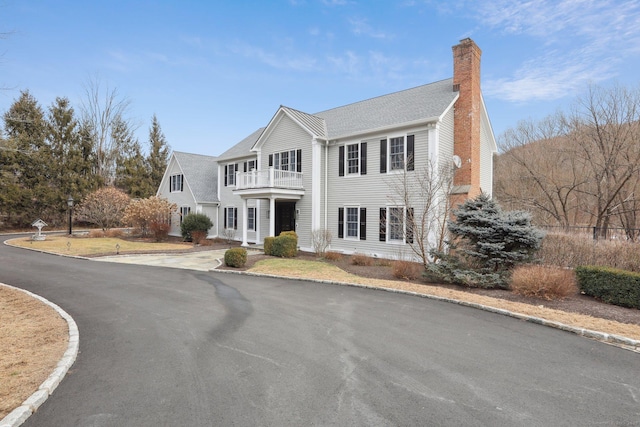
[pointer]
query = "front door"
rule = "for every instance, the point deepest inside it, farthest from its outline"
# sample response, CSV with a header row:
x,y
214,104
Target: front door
x,y
285,217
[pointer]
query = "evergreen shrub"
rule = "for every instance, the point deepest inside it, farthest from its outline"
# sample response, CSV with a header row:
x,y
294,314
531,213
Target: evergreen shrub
x,y
613,286
195,222
285,245
235,257
268,245
486,244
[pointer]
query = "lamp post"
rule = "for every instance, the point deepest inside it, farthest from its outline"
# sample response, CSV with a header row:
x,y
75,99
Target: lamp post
x,y
70,205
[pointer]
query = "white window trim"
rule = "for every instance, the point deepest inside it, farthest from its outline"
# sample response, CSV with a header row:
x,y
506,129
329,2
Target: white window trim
x,y
231,167
402,241
404,155
225,212
249,209
345,223
182,214
172,181
346,159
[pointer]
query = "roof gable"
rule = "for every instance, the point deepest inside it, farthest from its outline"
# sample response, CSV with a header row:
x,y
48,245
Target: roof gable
x,y
200,174
242,148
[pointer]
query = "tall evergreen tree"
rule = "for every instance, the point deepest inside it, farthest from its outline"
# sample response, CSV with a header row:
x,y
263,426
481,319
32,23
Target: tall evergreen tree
x,y
158,153
132,173
25,163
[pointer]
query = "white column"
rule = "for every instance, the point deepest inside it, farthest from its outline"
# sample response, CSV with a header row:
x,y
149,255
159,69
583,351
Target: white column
x,y
244,222
316,183
272,217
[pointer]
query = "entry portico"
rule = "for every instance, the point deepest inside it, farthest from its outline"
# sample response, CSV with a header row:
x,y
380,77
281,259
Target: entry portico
x,y
281,188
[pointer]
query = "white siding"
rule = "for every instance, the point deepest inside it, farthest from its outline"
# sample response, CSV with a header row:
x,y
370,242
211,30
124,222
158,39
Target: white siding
x,y
445,131
486,159
181,198
371,191
287,135
230,200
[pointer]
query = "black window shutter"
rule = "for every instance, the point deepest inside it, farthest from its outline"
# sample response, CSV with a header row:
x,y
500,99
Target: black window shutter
x,y
181,182
236,168
383,224
235,218
410,223
383,156
363,223
245,166
270,160
363,158
341,160
226,167
410,152
299,160
225,217
340,223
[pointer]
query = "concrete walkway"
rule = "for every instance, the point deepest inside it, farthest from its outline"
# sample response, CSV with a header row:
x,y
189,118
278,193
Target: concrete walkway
x,y
200,261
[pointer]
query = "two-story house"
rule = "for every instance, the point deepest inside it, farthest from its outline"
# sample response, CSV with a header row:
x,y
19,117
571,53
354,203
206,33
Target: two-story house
x,y
333,170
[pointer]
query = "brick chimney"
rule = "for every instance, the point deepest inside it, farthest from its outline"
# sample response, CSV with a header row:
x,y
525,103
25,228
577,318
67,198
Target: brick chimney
x,y
466,128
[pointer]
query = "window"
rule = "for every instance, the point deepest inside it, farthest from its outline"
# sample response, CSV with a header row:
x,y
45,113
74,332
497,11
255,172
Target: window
x,y
231,218
175,183
395,155
249,165
354,225
286,160
251,219
353,158
184,211
230,174
396,224
355,161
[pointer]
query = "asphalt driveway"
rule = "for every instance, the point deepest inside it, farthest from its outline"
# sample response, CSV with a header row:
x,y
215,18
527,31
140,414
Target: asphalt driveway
x,y
162,346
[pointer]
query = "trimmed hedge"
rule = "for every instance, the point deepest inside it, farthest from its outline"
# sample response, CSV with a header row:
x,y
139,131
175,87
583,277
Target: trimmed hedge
x,y
284,246
613,286
235,257
268,245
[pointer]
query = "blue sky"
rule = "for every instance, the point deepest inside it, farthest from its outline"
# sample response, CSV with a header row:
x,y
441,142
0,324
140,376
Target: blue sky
x,y
214,71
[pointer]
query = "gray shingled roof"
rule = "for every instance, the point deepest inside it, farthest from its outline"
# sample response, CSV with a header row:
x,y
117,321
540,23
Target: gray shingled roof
x,y
201,174
314,123
409,105
241,148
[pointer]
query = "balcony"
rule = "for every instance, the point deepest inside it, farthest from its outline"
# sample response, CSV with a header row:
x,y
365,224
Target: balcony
x,y
269,183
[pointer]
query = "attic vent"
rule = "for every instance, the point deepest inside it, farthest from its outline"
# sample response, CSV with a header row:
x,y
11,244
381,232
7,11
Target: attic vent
x,y
456,87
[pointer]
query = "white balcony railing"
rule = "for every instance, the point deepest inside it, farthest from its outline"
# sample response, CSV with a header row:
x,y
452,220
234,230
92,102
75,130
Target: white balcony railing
x,y
270,178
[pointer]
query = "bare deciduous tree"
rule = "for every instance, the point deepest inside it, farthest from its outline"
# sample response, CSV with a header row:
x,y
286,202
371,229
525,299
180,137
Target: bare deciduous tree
x,y
426,195
103,109
577,168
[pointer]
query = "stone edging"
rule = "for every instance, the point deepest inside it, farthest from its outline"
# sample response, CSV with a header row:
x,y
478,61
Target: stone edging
x,y
29,406
616,340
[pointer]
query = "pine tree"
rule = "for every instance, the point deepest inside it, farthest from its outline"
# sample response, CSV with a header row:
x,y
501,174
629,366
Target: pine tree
x,y
158,153
131,174
26,161
486,244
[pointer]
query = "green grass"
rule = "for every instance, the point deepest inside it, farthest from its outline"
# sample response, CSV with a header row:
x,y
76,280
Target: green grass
x,y
86,246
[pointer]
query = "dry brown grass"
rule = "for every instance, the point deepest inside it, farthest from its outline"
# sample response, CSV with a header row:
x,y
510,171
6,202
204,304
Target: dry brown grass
x,y
406,270
96,234
570,250
65,245
114,233
33,338
545,282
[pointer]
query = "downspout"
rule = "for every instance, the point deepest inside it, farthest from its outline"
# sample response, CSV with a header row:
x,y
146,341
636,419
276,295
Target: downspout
x,y
326,179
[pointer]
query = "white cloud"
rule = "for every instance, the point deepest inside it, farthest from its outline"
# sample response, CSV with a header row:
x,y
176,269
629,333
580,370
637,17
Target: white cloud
x,y
581,41
361,27
279,61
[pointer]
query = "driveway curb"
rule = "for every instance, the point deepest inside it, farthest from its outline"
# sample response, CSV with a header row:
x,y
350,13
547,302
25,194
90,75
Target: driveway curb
x,y
29,406
616,340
